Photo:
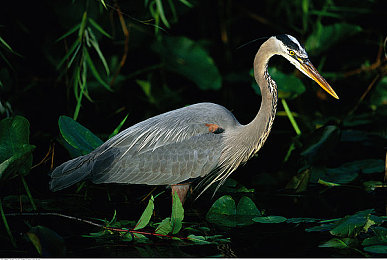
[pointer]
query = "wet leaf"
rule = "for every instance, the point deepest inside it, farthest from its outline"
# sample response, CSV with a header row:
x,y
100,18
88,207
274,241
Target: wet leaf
x,y
77,136
146,215
270,219
177,215
189,59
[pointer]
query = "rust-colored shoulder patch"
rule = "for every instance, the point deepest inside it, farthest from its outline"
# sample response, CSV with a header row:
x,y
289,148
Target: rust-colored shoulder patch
x,y
214,128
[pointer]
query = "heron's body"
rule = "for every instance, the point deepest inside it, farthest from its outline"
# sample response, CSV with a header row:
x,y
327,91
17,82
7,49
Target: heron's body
x,y
202,140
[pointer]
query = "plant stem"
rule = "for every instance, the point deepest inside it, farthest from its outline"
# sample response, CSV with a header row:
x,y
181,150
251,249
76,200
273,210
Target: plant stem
x,y
6,225
290,116
28,192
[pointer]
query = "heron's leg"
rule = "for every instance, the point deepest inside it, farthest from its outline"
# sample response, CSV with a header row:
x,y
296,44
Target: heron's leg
x,y
181,190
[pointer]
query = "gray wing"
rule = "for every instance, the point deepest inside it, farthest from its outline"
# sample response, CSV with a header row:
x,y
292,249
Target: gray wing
x,y
168,164
165,149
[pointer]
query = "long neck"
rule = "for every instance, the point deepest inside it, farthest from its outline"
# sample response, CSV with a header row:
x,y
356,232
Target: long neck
x,y
260,127
242,142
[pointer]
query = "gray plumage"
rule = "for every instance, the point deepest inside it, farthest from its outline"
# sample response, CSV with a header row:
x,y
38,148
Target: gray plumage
x,y
177,146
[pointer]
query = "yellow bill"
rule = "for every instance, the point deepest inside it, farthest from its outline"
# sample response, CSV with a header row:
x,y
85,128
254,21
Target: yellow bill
x,y
308,68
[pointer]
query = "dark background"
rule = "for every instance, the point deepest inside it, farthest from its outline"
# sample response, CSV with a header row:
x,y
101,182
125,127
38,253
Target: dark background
x,y
353,62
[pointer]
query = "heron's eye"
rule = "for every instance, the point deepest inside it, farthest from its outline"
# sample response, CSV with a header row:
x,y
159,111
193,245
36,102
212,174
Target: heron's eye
x,y
292,53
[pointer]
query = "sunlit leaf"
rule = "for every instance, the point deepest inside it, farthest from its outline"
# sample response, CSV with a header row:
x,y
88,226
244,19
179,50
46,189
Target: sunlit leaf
x,y
177,215
77,135
164,227
118,128
146,215
339,243
269,219
198,239
189,59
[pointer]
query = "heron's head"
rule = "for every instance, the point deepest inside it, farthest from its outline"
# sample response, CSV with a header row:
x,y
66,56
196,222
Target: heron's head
x,y
294,52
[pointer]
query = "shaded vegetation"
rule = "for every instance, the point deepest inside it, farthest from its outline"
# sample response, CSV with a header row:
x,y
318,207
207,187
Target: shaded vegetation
x,y
74,73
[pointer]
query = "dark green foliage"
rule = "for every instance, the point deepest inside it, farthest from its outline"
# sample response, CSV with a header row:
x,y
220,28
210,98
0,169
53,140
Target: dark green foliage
x,y
109,65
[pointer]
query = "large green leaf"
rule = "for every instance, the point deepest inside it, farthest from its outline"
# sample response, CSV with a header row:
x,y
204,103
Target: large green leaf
x,y
15,150
324,37
146,215
340,243
269,219
177,214
289,86
78,136
225,213
189,59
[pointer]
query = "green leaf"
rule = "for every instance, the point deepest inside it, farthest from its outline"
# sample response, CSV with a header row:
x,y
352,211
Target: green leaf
x,y
118,128
94,70
69,32
146,215
302,220
95,44
376,249
73,49
324,37
77,135
177,215
351,226
225,213
270,219
99,28
201,240
339,243
165,227
15,150
289,86
189,59
160,10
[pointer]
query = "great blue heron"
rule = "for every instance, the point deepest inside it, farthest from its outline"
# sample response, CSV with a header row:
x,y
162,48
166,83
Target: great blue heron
x,y
203,140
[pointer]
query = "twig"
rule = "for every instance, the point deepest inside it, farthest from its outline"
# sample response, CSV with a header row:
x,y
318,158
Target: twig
x,y
93,224
45,158
126,45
